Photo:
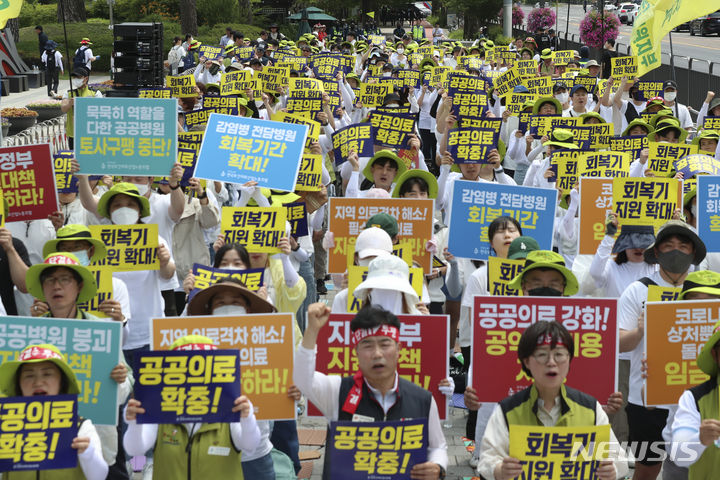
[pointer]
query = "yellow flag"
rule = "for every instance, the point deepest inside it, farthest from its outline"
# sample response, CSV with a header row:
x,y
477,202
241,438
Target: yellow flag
x,y
9,9
658,17
371,14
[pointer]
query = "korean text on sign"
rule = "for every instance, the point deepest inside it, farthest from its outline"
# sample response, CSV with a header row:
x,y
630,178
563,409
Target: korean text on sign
x,y
498,323
92,348
240,150
265,344
37,432
387,450
356,137
206,276
182,86
257,228
125,136
475,205
595,204
187,386
673,340
502,271
129,247
65,181
27,182
646,201
103,279
708,211
471,145
392,129
310,175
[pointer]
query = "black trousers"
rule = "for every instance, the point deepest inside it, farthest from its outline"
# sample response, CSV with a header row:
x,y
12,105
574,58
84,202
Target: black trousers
x,y
52,80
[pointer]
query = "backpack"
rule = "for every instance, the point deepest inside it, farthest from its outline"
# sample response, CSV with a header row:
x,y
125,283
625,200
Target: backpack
x,y
50,60
79,58
174,56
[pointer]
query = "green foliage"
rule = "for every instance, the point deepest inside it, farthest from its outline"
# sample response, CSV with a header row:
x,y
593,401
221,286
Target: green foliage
x,y
456,34
32,14
502,40
214,12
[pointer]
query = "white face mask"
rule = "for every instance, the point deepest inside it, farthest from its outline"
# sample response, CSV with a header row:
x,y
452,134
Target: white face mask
x,y
392,105
77,83
693,210
562,97
230,310
83,257
142,188
124,216
365,262
231,267
670,96
400,51
390,300
387,74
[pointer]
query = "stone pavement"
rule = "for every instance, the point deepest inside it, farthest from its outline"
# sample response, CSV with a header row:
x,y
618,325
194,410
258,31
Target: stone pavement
x,y
21,99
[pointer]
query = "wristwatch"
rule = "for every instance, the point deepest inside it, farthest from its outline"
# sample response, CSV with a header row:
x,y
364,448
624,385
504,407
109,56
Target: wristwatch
x,y
442,472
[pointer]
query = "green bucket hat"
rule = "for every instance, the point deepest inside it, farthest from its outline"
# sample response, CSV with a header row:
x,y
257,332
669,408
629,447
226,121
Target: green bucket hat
x,y
126,189
706,134
635,123
193,342
546,53
66,260
528,104
705,360
243,102
543,100
354,76
588,115
525,49
35,354
521,247
562,138
416,173
75,232
427,62
701,281
687,198
547,259
661,115
666,124
401,168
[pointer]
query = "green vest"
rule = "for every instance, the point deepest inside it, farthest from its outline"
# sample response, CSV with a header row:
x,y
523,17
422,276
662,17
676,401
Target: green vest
x,y
576,408
70,116
706,400
418,32
177,460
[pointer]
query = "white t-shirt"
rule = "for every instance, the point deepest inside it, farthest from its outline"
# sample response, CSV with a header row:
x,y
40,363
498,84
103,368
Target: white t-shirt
x,y
88,56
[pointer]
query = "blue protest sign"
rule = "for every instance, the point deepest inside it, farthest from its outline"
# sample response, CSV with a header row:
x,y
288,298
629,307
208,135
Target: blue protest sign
x,y
357,137
37,432
240,149
65,181
92,348
126,136
297,216
205,276
697,164
476,204
708,211
187,158
187,385
387,450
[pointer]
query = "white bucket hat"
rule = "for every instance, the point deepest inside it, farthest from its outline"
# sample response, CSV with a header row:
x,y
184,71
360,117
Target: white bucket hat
x,y
388,272
373,242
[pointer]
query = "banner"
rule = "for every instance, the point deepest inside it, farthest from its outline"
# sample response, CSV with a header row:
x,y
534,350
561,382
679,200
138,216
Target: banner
x,y
313,134
604,164
266,349
650,89
624,67
237,82
673,339
601,133
37,433
373,94
516,101
662,155
564,164
540,86
468,93
646,201
410,78
439,76
357,137
693,165
387,450
506,82
471,145
182,86
274,78
595,203
423,352
501,272
357,275
210,52
126,136
348,216
206,276
187,386
92,348
632,144
158,92
103,279
310,175
708,211
476,204
65,181
257,228
27,181
590,83
558,453
498,323
327,65
241,149
527,68
562,57
305,96
129,247
392,129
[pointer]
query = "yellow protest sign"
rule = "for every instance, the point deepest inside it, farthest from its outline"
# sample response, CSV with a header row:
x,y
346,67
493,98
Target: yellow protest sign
x,y
2,214
501,272
404,251
564,164
313,126
662,155
357,275
257,228
439,76
600,134
562,57
527,68
515,101
646,201
129,247
507,81
274,78
604,164
310,175
182,86
540,86
237,83
103,279
624,67
373,94
656,293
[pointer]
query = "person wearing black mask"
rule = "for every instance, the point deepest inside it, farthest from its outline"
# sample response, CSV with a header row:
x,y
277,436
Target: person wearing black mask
x,y
545,275
676,248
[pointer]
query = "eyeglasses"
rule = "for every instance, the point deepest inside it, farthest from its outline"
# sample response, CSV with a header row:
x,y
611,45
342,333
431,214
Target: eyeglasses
x,y
64,281
543,356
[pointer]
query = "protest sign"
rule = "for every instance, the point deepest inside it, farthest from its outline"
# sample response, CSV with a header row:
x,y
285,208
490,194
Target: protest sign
x,y
505,83
257,228
711,123
559,452
129,247
297,217
37,433
206,276
296,63
237,82
650,89
422,359
631,144
646,201
313,127
158,92
274,78
377,39
527,68
595,204
475,122
92,348
708,211
516,100
103,279
624,67
210,52
601,133
326,65
501,272
332,89
662,155
673,339
542,125
498,323
657,293
564,164
201,116
265,344
562,57
305,96
182,86
357,137
310,175
392,129
27,181
65,181
219,102
348,216
476,204
590,83
387,450
439,76
697,164
471,145
469,97
373,94
404,251
410,78
125,136
240,150
357,275
470,61
604,164
540,86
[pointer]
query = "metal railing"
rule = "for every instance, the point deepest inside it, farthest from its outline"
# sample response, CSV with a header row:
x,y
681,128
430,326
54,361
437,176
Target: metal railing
x,y
50,131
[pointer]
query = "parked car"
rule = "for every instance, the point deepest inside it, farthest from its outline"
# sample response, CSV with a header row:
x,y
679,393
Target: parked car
x,y
706,25
627,13
683,26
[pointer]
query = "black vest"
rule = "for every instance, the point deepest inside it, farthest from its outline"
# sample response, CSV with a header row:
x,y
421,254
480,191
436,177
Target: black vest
x,y
412,402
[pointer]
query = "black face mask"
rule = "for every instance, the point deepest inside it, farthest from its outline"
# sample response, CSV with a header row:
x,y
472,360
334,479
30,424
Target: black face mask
x,y
637,95
214,69
675,261
544,292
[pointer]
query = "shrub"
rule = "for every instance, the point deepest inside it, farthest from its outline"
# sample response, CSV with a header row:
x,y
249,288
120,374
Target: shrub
x,y
32,14
592,32
540,19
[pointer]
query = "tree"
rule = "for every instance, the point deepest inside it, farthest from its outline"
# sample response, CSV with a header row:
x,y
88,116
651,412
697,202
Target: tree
x,y
188,17
246,13
475,13
73,10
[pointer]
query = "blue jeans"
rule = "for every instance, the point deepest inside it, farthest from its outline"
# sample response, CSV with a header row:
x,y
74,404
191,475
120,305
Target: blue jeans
x,y
259,468
307,273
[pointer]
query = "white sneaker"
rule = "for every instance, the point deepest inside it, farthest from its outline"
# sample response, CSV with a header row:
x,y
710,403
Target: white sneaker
x,y
147,470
